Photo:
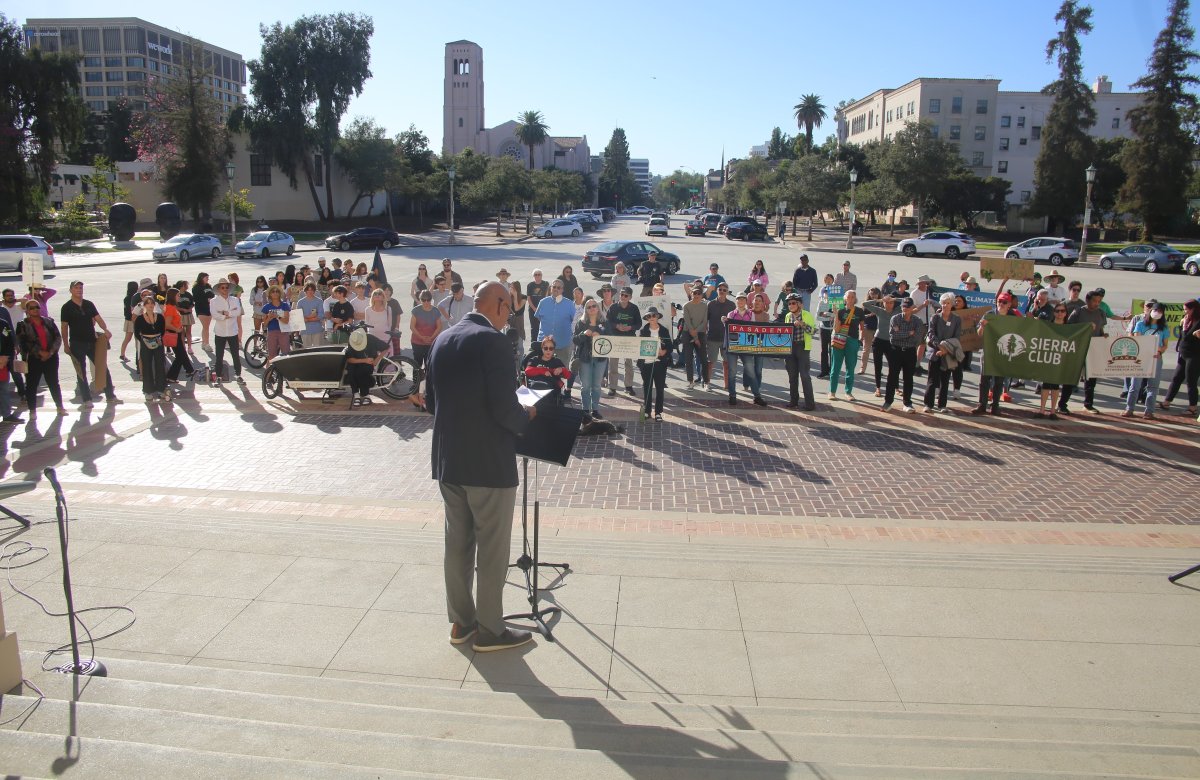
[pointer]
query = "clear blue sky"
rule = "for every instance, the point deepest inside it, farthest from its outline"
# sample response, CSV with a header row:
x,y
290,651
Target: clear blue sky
x,y
681,81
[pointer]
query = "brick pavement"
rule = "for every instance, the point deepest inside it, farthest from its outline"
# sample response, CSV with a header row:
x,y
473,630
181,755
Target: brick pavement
x,y
852,466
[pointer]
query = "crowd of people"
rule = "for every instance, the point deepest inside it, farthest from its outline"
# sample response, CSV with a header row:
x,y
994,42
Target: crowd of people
x,y
880,340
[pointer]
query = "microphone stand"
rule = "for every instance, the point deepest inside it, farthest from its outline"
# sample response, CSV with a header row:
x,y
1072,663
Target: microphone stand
x,y
91,667
530,563
1184,573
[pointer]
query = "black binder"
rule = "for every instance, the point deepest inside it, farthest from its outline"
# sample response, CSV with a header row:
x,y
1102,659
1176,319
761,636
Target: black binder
x,y
550,435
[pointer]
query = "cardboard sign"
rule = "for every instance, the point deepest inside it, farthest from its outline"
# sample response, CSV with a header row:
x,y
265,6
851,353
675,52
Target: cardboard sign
x,y
632,347
31,270
995,268
660,302
970,340
747,338
1124,356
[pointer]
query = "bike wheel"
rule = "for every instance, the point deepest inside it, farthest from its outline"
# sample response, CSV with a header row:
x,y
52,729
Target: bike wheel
x,y
272,383
255,350
397,376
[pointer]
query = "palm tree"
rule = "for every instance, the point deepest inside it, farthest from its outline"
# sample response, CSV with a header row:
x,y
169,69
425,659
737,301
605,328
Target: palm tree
x,y
809,114
532,131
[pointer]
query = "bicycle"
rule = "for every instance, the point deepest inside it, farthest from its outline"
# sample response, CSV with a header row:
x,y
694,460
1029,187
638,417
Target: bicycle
x,y
324,368
255,348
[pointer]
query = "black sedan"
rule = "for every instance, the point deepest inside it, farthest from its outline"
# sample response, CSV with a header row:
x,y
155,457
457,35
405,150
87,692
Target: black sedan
x,y
586,221
601,260
363,238
746,231
695,227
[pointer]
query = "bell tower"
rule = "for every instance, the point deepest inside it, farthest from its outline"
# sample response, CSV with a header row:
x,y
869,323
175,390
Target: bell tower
x,y
462,108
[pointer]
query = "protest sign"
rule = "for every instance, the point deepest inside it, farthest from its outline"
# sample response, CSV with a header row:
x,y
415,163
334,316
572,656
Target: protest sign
x,y
660,302
1003,268
970,340
1124,356
977,298
749,338
1172,312
31,270
1029,348
632,347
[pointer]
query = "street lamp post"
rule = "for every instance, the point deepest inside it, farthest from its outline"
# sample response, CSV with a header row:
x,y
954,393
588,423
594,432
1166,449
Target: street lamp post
x,y
230,169
850,235
1090,173
450,173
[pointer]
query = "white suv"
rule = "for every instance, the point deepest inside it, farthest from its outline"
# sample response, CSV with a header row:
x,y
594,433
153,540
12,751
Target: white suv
x,y
12,248
941,242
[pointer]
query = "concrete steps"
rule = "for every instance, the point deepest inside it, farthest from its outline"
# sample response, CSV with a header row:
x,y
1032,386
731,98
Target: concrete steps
x,y
274,721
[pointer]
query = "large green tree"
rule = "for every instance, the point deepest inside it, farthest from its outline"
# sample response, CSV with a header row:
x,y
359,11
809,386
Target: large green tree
x,y
1157,160
532,131
302,85
184,136
780,146
617,186
504,184
809,113
812,183
1067,146
676,188
39,107
917,163
965,196
367,155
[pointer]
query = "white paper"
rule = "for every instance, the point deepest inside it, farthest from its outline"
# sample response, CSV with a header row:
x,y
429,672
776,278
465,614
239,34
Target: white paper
x,y
529,397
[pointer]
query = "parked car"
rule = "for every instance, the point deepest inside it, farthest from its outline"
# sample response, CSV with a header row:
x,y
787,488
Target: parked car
x,y
660,215
584,220
601,260
695,227
638,210
940,242
608,213
363,238
559,227
1056,251
746,231
657,226
187,245
1151,257
12,249
724,219
265,243
1192,265
710,219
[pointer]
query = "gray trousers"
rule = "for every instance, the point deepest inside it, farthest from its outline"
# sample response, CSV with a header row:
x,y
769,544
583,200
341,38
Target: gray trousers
x,y
614,369
478,533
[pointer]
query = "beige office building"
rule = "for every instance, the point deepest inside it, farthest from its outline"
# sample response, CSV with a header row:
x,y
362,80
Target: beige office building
x,y
120,55
997,133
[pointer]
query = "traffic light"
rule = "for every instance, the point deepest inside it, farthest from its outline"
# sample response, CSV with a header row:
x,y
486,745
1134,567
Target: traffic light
x,y
672,182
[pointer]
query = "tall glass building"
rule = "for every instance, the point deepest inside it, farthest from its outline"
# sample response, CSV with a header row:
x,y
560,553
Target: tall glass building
x,y
120,55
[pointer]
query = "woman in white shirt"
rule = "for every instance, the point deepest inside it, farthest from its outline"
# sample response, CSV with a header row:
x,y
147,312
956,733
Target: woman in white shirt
x,y
379,318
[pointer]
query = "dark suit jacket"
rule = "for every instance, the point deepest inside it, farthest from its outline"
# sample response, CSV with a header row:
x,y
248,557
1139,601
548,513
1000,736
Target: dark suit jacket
x,y
471,391
8,336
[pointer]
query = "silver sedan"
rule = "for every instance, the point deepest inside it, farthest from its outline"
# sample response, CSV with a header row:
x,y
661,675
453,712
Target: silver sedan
x,y
265,243
188,245
1151,257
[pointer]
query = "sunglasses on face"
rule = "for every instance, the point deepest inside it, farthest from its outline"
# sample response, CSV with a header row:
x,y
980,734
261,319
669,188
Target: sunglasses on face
x,y
547,349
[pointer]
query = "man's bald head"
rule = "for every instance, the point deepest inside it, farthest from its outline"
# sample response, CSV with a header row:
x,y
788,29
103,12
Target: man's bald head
x,y
493,301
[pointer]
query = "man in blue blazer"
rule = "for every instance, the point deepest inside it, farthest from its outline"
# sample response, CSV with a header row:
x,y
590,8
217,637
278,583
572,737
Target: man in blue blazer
x,y
471,392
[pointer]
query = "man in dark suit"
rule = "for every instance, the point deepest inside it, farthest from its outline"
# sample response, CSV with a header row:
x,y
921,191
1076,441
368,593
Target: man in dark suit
x,y
8,354
471,392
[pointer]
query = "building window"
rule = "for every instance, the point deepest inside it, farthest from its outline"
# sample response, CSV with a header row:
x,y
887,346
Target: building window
x,y
956,105
1006,121
1020,121
260,170
69,39
93,91
135,40
1004,144
135,62
93,75
1023,142
911,107
955,132
318,170
980,133
116,91
858,124
96,105
460,121
112,38
114,62
935,105
981,106
1035,132
91,40
114,75
889,116
1116,123
937,131
135,75
1002,166
977,159
91,62
1025,196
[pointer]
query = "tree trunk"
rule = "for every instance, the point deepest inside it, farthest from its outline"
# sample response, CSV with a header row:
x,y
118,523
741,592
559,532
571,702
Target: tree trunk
x,y
388,205
327,152
810,228
312,190
354,205
892,226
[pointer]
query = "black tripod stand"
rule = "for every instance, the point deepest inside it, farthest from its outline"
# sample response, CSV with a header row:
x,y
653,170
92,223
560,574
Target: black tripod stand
x,y
529,564
1184,573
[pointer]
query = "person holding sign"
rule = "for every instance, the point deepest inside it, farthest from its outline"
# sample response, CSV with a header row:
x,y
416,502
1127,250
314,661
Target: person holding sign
x,y
907,334
79,320
797,363
830,297
846,340
1050,391
992,387
655,371
1090,313
623,319
1152,323
591,368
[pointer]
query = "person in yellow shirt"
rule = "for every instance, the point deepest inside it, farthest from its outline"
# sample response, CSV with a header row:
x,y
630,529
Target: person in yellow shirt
x,y
803,324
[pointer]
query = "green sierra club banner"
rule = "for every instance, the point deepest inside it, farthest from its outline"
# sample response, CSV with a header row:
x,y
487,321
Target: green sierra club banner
x,y
1029,348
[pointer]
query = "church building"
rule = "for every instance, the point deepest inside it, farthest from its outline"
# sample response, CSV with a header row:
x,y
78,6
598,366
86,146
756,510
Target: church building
x,y
463,123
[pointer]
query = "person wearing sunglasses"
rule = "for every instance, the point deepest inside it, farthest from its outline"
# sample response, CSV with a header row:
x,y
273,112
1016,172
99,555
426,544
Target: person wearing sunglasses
x,y
39,340
654,372
227,329
1049,392
543,370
